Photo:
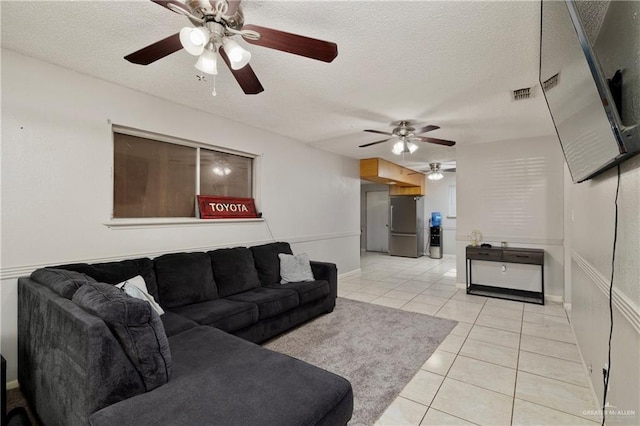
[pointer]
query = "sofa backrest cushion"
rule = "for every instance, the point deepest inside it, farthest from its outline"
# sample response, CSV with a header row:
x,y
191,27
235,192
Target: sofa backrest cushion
x,y
135,324
117,272
184,279
234,270
61,281
267,261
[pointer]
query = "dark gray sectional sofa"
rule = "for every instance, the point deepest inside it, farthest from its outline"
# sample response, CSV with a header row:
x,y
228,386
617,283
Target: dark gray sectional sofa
x,y
76,366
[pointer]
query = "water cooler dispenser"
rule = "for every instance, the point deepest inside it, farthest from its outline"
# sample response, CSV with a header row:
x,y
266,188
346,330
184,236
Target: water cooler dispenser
x,y
435,236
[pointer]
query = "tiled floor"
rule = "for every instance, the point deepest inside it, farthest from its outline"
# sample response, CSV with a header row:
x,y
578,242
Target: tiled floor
x,y
504,363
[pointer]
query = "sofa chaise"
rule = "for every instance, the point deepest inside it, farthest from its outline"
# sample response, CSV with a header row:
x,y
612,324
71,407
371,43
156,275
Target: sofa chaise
x,y
90,354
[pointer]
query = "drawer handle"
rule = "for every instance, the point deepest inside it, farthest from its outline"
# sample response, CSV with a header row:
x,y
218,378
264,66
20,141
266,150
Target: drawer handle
x,y
484,254
523,256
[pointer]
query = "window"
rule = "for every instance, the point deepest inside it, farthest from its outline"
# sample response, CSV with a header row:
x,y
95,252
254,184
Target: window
x,y
161,178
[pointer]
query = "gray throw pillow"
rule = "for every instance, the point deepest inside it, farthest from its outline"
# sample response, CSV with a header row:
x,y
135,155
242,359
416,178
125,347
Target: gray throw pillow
x,y
294,269
135,324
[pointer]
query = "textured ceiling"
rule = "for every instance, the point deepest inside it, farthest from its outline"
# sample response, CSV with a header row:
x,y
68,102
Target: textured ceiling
x,y
452,64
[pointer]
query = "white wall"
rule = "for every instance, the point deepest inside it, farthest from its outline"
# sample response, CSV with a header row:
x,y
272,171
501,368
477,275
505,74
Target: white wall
x,y
437,200
592,219
513,191
57,155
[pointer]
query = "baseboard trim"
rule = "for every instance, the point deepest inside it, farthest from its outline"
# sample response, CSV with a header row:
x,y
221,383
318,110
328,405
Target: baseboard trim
x,y
24,270
624,305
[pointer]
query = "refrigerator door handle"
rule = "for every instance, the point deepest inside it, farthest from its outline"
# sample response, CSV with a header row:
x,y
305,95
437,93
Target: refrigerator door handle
x,y
391,216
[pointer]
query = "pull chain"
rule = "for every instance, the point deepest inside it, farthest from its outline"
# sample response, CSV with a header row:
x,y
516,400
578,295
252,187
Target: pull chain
x,y
214,93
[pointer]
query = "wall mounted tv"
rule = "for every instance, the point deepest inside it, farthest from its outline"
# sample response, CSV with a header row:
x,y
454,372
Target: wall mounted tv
x,y
588,109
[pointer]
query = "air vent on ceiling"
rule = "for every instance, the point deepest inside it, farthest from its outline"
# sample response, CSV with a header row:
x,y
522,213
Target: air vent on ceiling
x,y
521,94
551,82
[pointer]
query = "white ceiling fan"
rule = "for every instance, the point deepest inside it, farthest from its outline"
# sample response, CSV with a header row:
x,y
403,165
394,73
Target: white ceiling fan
x,y
436,170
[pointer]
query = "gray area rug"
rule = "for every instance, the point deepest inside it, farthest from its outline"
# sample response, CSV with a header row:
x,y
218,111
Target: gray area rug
x,y
378,349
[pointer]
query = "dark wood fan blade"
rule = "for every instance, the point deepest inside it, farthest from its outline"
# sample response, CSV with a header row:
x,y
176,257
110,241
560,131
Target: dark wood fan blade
x,y
155,51
426,129
175,3
378,131
373,143
245,76
436,141
292,43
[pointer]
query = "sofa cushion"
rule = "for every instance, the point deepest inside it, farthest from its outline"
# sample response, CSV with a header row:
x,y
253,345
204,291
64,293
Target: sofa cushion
x,y
267,262
135,324
61,281
234,270
270,302
184,279
175,324
117,272
227,315
308,291
220,379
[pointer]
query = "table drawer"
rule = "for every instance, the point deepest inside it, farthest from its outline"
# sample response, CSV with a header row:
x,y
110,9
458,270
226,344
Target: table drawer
x,y
534,258
484,254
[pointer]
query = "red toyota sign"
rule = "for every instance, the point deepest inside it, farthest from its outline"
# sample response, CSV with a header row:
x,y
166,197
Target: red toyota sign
x,y
226,207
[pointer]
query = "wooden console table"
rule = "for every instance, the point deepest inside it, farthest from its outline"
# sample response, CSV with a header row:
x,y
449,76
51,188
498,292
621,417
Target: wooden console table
x,y
506,273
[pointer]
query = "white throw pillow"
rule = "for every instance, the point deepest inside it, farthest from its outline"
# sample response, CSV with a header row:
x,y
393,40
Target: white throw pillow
x,y
295,269
136,287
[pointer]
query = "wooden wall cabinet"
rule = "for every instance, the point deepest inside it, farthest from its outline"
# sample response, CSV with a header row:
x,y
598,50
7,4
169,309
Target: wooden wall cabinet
x,y
401,180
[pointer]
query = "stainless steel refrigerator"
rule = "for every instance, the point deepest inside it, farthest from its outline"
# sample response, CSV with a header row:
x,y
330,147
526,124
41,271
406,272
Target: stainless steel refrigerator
x,y
406,233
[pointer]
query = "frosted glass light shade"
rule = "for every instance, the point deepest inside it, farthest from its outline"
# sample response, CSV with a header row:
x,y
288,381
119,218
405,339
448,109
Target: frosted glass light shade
x,y
435,176
238,56
412,147
208,61
194,39
398,148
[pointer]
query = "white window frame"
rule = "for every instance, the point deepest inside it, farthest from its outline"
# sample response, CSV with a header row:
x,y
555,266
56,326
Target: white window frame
x,y
129,223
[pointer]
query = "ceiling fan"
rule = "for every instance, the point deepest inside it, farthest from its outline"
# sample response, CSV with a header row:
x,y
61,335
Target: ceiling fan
x,y
216,23
407,134
435,170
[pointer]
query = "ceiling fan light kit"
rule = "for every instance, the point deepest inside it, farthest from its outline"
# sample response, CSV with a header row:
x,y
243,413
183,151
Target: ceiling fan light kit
x,y
435,176
406,135
216,22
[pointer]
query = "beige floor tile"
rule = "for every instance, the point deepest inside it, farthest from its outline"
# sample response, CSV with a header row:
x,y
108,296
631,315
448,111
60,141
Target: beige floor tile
x,y
553,332
402,295
392,280
427,277
500,323
462,305
494,354
344,293
568,351
451,343
549,309
443,269
376,291
423,387
445,294
473,403
380,284
554,368
444,287
439,362
402,412
571,399
421,308
462,329
438,418
430,300
361,297
545,319
528,414
472,298
502,312
389,302
495,336
489,376
414,286
457,314
502,303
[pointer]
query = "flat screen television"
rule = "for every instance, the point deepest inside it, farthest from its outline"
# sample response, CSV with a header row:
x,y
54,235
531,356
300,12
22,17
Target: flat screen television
x,y
588,108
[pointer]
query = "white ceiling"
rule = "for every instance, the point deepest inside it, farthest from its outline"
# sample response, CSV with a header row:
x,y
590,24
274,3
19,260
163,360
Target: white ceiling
x,y
452,64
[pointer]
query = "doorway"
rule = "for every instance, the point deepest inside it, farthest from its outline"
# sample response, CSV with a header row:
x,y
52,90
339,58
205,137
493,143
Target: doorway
x,y
377,218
